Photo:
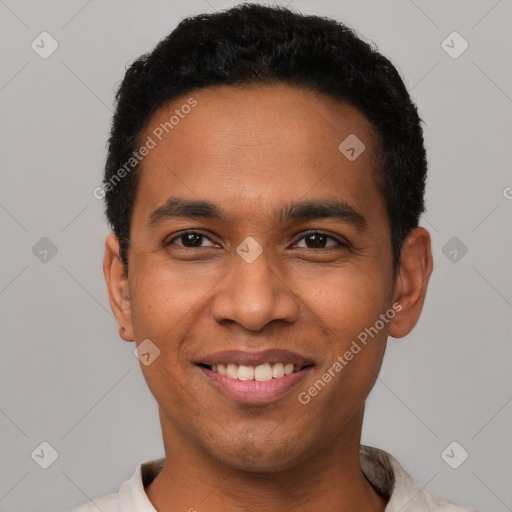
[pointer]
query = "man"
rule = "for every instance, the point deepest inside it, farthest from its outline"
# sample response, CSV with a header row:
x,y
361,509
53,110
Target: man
x,y
264,182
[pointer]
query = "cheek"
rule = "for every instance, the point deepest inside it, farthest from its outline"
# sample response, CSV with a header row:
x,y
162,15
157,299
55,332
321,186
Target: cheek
x,y
348,300
354,341
354,333
164,308
161,301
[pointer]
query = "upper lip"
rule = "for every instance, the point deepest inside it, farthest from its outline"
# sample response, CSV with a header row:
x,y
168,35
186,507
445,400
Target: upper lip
x,y
247,358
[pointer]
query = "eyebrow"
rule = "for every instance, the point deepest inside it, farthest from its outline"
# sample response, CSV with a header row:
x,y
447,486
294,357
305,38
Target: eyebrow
x,y
340,211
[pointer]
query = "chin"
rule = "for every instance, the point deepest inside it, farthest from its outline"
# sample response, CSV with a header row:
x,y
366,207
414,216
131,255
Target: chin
x,y
257,455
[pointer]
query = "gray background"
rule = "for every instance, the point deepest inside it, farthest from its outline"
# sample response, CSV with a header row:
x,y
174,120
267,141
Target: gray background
x,y
68,379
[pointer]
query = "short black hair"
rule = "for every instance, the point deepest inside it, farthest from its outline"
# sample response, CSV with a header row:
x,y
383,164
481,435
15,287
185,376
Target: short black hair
x,y
256,44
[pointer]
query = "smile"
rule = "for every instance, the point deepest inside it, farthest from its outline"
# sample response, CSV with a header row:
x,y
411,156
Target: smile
x,y
254,377
261,373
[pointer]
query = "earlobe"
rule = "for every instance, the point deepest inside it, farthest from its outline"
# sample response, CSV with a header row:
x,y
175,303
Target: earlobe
x,y
411,282
118,288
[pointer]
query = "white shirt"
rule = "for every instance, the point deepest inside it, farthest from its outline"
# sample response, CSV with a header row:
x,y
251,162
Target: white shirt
x,y
385,474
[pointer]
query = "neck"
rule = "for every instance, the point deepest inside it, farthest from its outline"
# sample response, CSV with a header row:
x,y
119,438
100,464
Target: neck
x,y
330,480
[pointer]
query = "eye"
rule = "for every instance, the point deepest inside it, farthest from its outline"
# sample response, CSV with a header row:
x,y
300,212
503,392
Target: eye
x,y
318,240
190,240
312,240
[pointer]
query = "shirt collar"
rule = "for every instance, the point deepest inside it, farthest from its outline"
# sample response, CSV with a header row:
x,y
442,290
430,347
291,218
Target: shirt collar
x,y
384,473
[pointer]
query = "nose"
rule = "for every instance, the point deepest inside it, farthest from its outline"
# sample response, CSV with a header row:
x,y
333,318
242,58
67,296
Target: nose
x,y
253,294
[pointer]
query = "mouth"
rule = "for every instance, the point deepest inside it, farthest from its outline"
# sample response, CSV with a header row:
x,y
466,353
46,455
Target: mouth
x,y
260,373
255,377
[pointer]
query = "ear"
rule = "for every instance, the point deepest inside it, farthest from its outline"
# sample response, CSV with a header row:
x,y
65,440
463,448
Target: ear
x,y
118,287
411,281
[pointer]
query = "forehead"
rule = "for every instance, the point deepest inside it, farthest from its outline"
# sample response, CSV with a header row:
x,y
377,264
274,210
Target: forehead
x,y
239,145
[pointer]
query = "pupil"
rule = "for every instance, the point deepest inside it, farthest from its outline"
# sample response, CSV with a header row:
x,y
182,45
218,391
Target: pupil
x,y
193,238
318,240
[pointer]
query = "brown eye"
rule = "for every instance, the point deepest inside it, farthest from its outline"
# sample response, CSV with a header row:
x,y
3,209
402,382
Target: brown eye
x,y
189,239
318,240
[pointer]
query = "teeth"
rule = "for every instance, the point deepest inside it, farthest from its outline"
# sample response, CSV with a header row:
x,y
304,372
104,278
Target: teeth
x,y
245,372
261,373
278,370
232,371
288,368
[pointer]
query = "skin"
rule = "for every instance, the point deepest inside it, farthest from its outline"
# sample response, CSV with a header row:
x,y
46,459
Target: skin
x,y
250,150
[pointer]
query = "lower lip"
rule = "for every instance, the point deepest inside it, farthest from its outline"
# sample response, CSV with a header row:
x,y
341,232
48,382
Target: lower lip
x,y
253,391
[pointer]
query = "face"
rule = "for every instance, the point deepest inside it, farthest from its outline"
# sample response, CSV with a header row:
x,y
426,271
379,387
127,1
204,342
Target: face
x,y
258,248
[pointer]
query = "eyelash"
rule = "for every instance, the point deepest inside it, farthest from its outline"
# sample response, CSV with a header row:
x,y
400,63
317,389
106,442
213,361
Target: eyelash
x,y
309,233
